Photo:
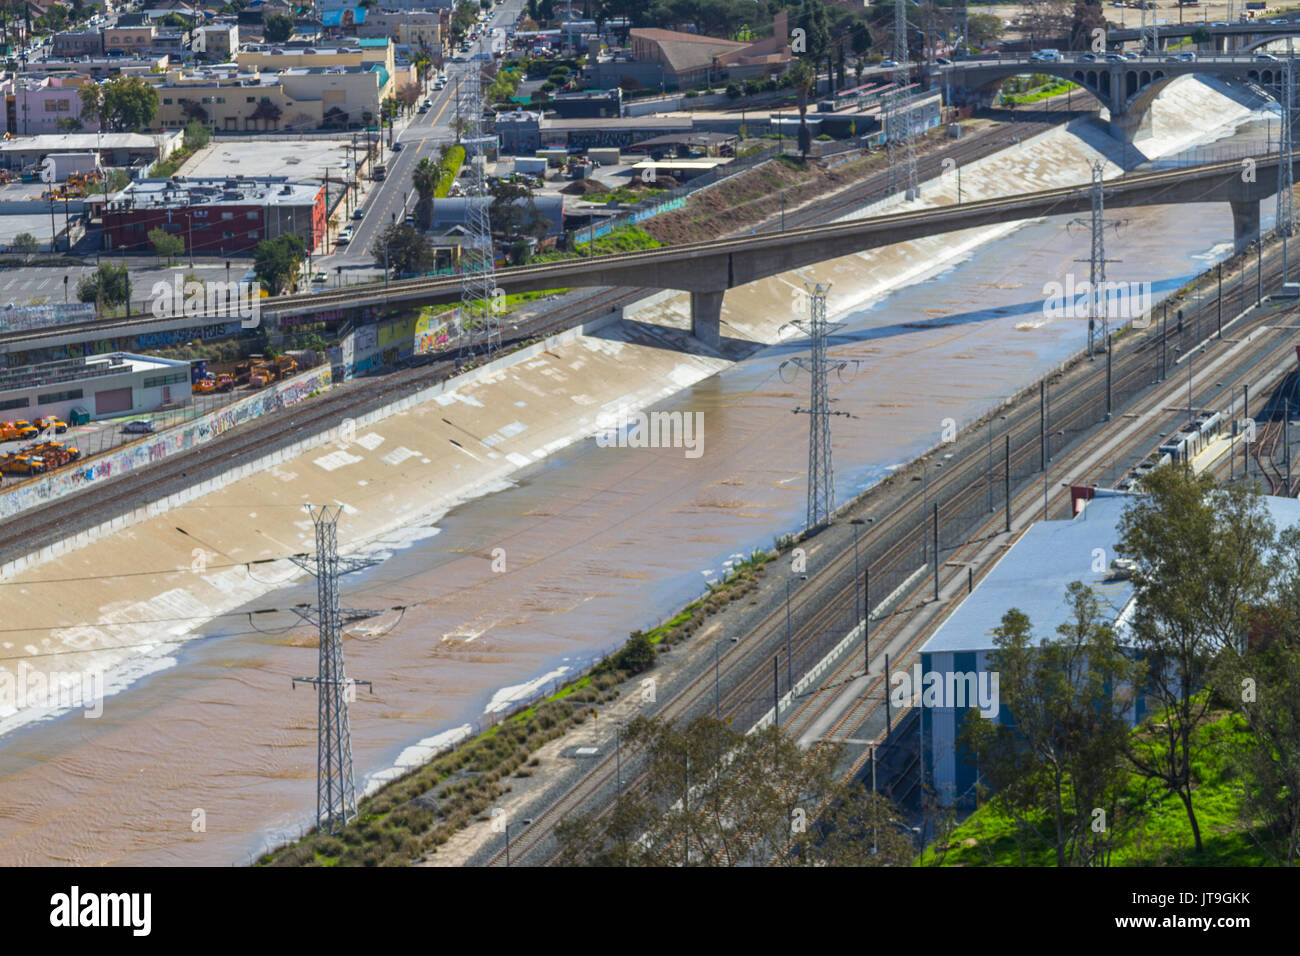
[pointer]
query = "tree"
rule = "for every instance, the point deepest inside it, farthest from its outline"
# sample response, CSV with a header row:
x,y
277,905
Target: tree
x,y
165,244
24,244
124,104
1200,569
68,124
983,29
109,285
276,261
803,76
402,249
1086,18
266,111
276,28
196,136
713,796
425,178
1063,750
514,213
817,36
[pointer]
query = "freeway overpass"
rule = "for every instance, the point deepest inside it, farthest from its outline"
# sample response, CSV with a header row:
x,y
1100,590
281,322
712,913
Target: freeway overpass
x,y
1126,87
1226,37
708,269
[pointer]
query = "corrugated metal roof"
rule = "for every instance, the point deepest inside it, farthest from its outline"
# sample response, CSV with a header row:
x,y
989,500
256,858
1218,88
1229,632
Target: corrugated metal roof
x,y
1034,574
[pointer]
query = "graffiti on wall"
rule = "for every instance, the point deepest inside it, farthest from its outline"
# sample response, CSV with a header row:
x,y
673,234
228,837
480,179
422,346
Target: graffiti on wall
x,y
204,429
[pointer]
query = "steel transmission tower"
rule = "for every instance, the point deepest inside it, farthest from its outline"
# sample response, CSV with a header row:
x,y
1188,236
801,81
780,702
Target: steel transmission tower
x,y
821,476
336,796
902,121
1285,185
1098,317
1150,32
477,283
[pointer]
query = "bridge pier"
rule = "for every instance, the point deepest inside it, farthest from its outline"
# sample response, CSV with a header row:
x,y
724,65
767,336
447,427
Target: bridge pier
x,y
1130,125
1245,222
706,317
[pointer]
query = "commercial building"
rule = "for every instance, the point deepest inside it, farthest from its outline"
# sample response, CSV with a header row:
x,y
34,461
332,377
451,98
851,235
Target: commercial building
x,y
450,214
218,42
1032,576
98,67
34,106
78,43
522,132
215,216
114,149
414,29
588,104
122,39
268,58
104,386
302,98
676,60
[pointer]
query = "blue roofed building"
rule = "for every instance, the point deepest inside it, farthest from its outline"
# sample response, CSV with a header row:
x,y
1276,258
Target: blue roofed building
x,y
1033,576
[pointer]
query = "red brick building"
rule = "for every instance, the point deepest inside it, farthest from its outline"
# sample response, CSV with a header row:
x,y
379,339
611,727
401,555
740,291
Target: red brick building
x,y
215,216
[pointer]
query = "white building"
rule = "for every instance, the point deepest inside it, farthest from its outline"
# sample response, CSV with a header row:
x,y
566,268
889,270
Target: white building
x,y
105,386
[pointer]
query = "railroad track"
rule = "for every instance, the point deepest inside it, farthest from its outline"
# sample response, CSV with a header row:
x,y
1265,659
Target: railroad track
x,y
1136,369
35,528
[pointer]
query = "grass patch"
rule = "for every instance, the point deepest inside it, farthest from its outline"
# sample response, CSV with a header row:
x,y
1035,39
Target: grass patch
x,y
1151,826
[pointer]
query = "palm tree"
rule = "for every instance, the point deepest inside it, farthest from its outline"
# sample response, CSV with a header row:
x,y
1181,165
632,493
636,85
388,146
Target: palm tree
x,y
803,75
425,180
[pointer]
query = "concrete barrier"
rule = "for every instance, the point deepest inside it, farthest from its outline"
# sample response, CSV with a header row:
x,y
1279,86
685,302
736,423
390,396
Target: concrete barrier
x,y
295,389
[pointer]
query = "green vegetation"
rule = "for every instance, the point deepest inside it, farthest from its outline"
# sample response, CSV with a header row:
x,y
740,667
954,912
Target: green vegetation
x,y
449,165
419,812
167,245
1148,828
124,104
1053,88
108,285
276,261
1213,646
277,28
24,244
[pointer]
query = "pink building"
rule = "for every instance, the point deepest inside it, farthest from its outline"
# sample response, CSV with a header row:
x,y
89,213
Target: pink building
x,y
33,107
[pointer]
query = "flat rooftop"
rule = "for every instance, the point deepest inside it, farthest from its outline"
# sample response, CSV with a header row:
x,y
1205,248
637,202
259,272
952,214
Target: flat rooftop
x,y
1034,574
193,191
79,142
303,160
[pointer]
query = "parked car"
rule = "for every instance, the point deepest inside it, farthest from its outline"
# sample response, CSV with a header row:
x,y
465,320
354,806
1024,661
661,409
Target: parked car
x,y
888,64
320,276
1114,57
1047,55
397,147
1087,58
1265,56
138,427
358,213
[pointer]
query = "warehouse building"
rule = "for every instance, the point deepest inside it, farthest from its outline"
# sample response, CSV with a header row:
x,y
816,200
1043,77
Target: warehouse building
x,y
1032,576
98,386
216,215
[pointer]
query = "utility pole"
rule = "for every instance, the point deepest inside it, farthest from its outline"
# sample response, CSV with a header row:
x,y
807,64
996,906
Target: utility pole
x,y
901,117
477,280
1285,201
821,478
336,798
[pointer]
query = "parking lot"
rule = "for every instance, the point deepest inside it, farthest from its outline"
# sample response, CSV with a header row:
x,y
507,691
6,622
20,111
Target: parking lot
x,y
104,435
